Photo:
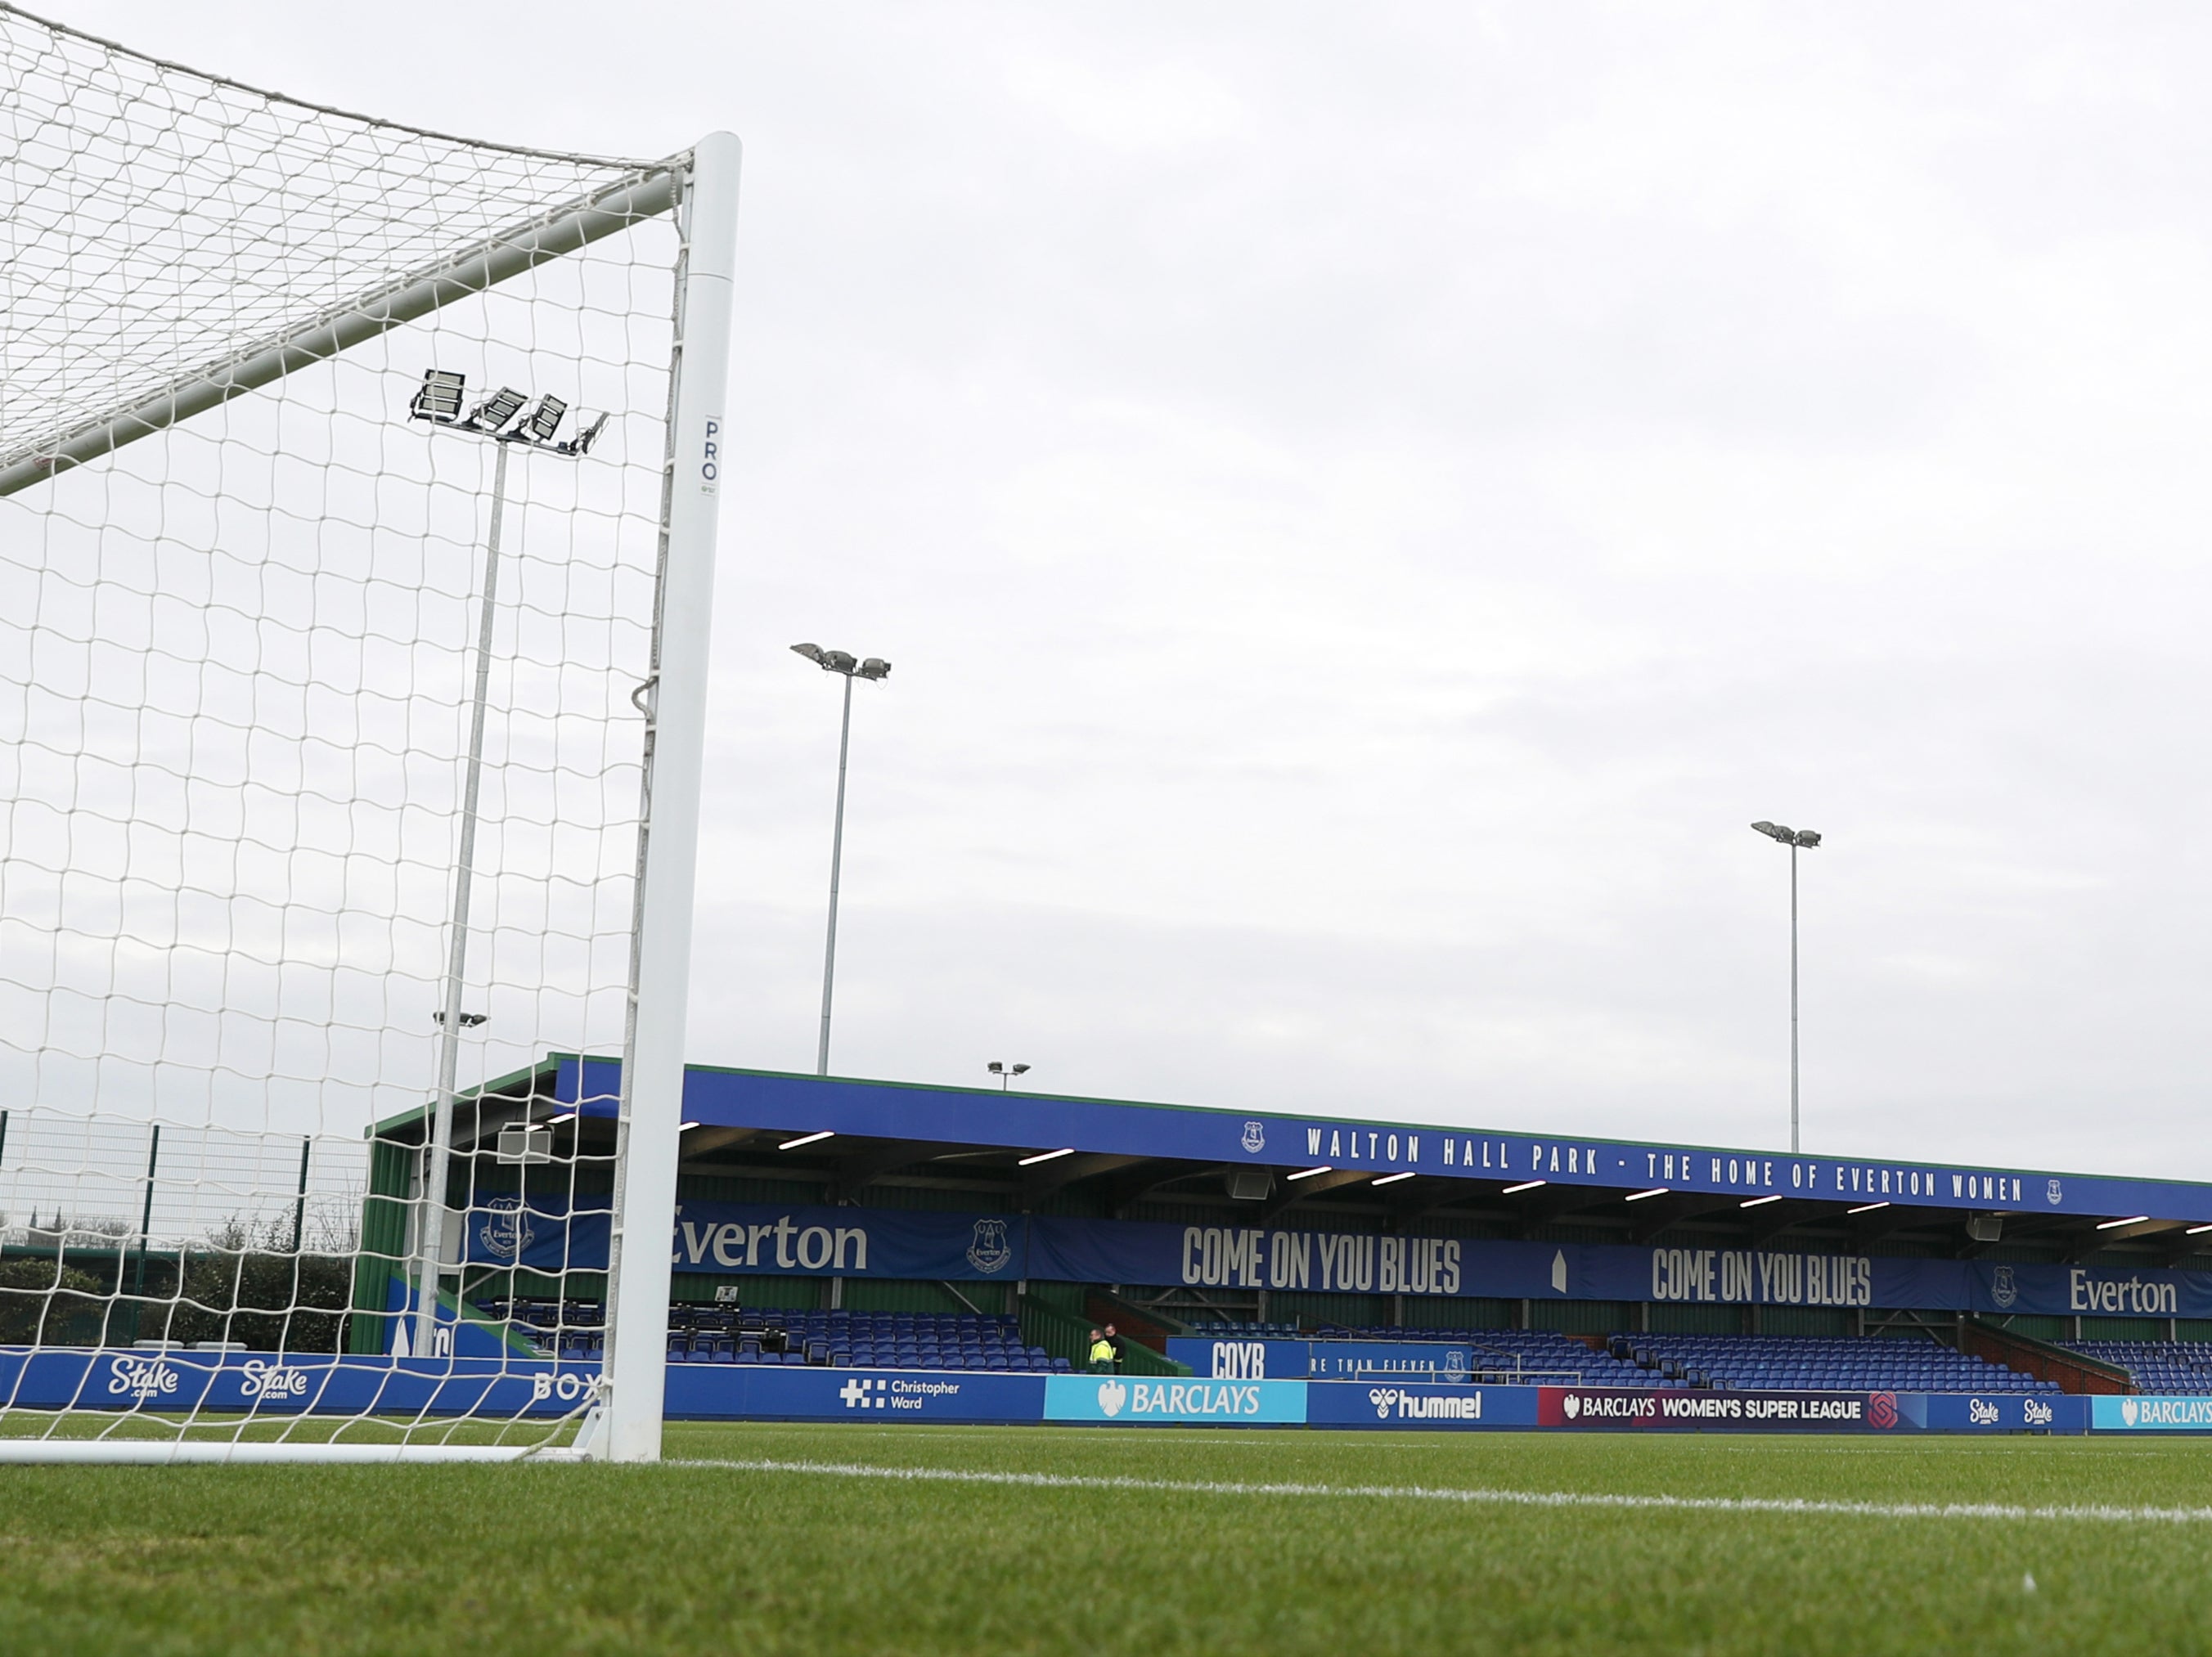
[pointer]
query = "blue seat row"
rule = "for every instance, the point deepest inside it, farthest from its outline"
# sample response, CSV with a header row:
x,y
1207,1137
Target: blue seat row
x,y
2157,1366
1822,1364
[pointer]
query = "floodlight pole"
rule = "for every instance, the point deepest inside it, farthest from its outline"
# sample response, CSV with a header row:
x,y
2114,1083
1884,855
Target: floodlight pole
x,y
650,1116
1793,998
438,1166
836,863
1793,838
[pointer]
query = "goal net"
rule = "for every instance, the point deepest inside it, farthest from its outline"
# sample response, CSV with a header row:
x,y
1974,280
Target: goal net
x,y
356,518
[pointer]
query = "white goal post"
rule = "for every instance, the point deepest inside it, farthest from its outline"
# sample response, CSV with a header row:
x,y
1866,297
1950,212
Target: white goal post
x,y
358,505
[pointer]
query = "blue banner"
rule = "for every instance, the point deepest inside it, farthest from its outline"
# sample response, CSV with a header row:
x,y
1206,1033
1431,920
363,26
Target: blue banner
x,y
759,1239
764,1239
1326,1360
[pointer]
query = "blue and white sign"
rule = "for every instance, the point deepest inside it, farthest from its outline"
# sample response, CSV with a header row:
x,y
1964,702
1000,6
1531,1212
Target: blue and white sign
x,y
807,1104
702,1391
1138,1400
1399,1404
2150,1415
1331,1360
1995,1412
273,1383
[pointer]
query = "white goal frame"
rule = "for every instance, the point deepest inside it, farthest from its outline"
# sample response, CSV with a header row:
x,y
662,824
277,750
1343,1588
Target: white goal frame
x,y
700,187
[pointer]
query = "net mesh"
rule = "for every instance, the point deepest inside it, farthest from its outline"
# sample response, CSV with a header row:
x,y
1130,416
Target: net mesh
x,y
239,656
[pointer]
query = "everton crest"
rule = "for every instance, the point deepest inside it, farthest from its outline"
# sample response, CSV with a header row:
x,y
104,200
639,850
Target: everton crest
x,y
989,1251
506,1230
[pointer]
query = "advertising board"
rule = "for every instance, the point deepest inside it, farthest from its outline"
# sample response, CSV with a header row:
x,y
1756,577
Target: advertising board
x,y
1613,1408
1414,1404
2150,1415
708,1392
1138,1400
1332,1360
271,1383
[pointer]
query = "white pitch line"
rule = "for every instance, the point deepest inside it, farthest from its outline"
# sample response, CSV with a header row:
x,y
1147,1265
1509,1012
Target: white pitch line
x,y
1758,1504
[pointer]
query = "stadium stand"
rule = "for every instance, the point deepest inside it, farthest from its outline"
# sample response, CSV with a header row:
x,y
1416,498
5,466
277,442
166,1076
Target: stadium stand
x,y
1845,1364
867,1340
2182,1367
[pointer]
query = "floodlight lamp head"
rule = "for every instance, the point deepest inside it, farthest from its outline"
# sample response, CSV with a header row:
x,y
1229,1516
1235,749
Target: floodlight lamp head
x,y
1808,838
545,420
1020,1070
439,398
493,414
1777,831
812,652
875,668
996,1067
839,661
588,427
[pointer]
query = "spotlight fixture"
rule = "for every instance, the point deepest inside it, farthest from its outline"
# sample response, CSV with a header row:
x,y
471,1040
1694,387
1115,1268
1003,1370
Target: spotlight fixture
x,y
468,1021
439,398
588,427
495,411
545,420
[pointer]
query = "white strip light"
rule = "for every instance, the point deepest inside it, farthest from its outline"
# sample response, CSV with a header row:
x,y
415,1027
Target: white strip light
x,y
2113,1225
1303,1173
1638,1196
687,1127
2195,1230
1525,1185
565,1116
1866,1208
1760,1202
1045,1157
1392,1179
807,1139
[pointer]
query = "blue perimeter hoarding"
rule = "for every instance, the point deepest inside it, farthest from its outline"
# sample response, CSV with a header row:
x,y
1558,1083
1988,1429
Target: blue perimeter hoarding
x,y
290,1384
297,1384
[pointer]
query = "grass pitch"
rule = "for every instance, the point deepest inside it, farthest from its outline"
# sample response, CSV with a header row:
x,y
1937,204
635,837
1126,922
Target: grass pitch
x,y
1151,1541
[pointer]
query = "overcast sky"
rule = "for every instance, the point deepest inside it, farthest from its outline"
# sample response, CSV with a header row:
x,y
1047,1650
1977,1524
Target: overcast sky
x,y
1367,503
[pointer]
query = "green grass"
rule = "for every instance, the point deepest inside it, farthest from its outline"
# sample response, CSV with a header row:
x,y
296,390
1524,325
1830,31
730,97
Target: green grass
x,y
534,1557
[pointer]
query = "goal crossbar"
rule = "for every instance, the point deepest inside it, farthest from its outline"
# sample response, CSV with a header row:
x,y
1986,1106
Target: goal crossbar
x,y
510,252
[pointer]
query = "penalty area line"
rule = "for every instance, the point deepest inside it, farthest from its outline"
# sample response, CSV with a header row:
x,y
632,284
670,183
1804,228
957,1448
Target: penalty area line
x,y
2094,1513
